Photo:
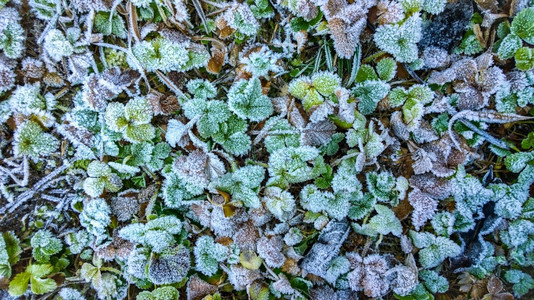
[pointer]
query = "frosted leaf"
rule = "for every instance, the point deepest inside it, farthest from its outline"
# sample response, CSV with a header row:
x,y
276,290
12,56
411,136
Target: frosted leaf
x,y
202,89
170,266
176,134
245,98
211,113
434,57
275,139
161,293
434,6
270,249
98,89
198,288
509,46
176,192
208,254
260,62
338,266
434,282
77,241
70,294
522,25
400,40
434,250
389,11
293,237
312,90
423,161
124,207
290,165
280,203
370,93
29,139
245,236
385,221
424,207
56,45
405,279
240,18
443,223
156,234
100,178
118,248
241,277
95,217
242,184
44,245
317,134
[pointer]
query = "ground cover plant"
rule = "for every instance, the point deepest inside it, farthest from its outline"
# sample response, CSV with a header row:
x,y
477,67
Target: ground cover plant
x,y
255,149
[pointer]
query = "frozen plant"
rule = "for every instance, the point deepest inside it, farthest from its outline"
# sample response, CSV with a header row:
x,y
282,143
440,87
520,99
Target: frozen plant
x,y
243,185
158,234
400,40
69,294
132,119
386,188
201,89
280,203
45,9
246,100
30,140
57,46
44,245
9,253
240,19
95,217
12,35
208,254
313,91
370,92
35,276
292,165
100,177
161,293
433,250
260,62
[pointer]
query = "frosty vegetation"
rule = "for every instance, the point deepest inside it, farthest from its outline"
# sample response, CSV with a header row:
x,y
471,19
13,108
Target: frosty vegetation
x,y
295,149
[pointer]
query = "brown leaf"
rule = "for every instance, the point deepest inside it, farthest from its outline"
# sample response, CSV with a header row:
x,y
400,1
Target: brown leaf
x,y
218,56
494,285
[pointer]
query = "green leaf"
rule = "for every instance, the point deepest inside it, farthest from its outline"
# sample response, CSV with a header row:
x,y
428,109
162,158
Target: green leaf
x,y
528,142
524,59
115,26
523,25
509,46
19,284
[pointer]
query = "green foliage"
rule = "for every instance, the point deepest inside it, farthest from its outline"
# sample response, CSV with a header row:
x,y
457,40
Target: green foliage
x,y
246,100
434,282
386,188
211,113
161,293
132,119
385,222
509,46
276,140
45,9
44,245
232,137
110,25
165,55
280,203
35,276
261,9
528,142
157,234
292,165
100,177
524,59
386,68
208,254
312,91
522,281
57,45
243,185
400,40
30,140
370,92
9,253
523,25
95,217
201,89
433,250
12,40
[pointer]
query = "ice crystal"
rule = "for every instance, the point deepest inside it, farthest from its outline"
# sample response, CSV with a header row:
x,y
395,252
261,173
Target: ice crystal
x,y
202,89
280,203
30,140
9,253
270,249
243,185
433,250
259,63
95,217
290,165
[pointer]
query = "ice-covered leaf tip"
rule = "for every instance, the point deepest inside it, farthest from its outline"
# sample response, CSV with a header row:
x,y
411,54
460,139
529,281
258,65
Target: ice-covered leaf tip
x,y
158,234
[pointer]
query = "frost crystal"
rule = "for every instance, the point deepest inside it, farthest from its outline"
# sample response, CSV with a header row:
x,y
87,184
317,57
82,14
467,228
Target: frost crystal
x,y
400,40
246,100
